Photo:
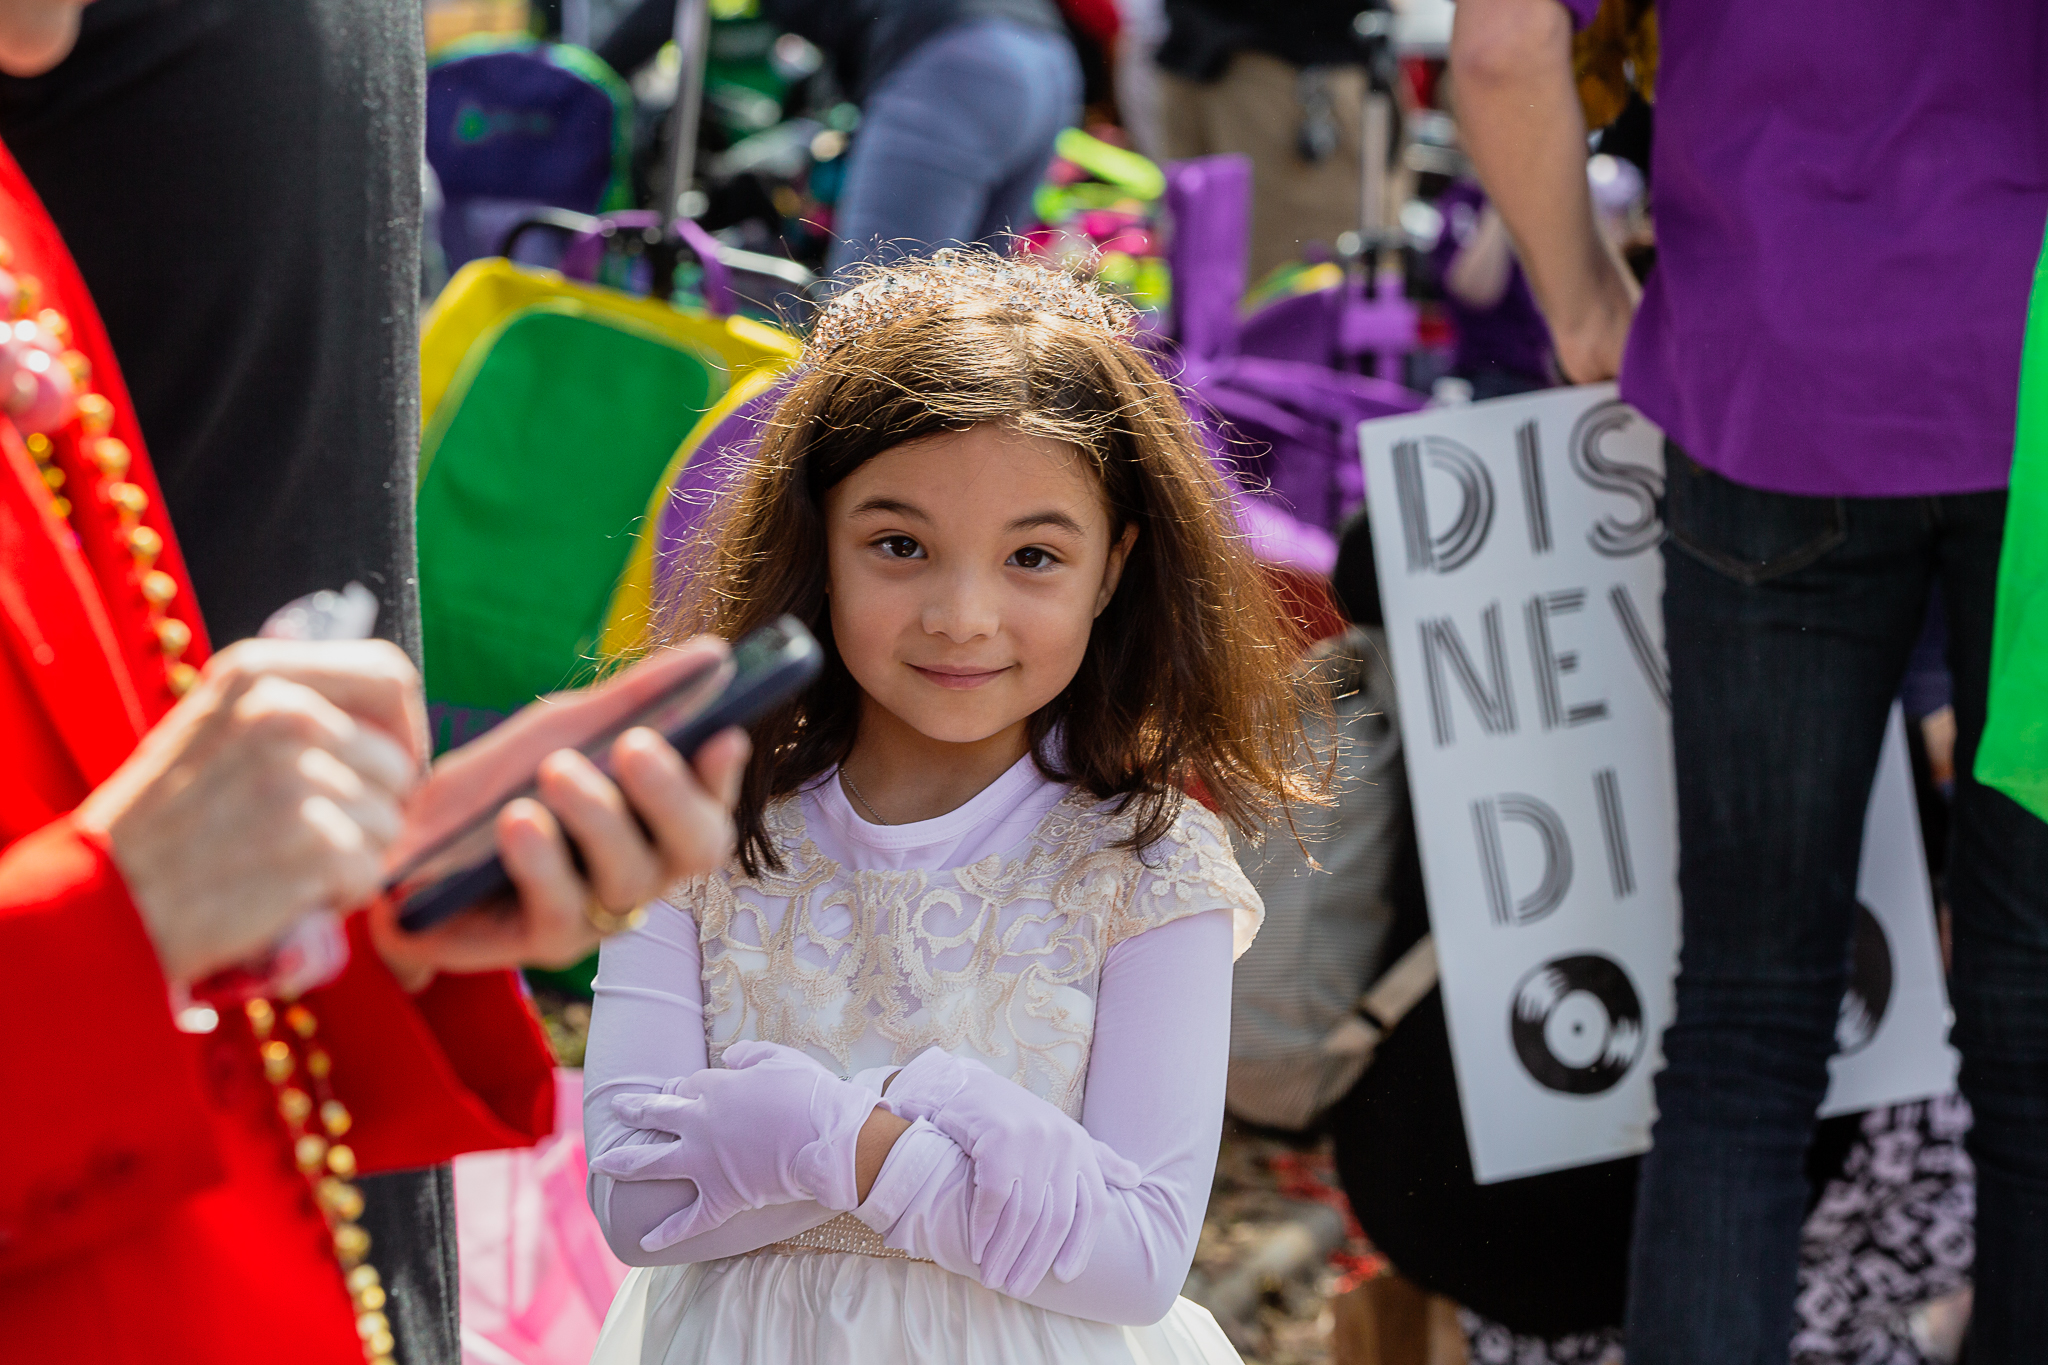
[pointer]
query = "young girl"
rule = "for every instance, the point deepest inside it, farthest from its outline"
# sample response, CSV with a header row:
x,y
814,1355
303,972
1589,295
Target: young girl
x,y
933,1071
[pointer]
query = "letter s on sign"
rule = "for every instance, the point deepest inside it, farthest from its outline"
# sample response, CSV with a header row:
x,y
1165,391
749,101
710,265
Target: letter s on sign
x,y
1640,484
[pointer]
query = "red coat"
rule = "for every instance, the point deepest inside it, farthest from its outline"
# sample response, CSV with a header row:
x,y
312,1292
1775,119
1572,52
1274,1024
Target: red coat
x,y
149,1206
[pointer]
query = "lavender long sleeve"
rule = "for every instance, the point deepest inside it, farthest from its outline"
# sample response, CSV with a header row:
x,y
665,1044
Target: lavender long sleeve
x,y
1154,1094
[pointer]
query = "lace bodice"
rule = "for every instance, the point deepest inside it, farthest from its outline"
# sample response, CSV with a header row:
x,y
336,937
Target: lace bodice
x,y
997,959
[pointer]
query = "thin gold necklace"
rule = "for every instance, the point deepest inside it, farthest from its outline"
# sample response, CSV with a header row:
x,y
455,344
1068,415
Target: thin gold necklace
x,y
866,804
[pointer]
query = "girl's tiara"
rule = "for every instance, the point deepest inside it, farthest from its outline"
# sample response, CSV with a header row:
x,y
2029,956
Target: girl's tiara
x,y
978,283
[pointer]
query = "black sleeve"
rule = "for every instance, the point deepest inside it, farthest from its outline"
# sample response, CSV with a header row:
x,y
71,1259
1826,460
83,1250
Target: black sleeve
x,y
239,182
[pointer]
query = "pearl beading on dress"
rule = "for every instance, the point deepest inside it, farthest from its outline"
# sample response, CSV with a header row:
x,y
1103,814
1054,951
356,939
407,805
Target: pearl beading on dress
x,y
845,1234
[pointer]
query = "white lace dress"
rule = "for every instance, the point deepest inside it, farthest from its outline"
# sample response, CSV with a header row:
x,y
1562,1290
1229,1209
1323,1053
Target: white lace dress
x,y
1010,931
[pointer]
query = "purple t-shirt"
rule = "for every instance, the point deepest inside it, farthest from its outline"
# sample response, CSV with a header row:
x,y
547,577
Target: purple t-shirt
x,y
1849,202
1511,335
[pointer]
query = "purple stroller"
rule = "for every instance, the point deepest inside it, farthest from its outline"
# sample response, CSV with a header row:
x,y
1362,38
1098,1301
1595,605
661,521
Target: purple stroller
x,y
1274,395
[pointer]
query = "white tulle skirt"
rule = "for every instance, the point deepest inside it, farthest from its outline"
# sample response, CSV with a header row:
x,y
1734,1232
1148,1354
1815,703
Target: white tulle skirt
x,y
836,1308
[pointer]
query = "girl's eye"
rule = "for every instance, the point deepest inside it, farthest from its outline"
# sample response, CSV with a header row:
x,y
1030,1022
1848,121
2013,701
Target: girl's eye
x,y
900,547
1032,557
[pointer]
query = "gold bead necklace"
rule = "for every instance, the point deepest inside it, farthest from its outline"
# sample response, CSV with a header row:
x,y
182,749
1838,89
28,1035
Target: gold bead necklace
x,y
84,421
316,1123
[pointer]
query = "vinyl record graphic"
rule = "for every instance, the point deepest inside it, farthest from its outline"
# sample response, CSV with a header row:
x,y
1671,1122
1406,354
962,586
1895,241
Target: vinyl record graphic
x,y
1577,1024
1870,985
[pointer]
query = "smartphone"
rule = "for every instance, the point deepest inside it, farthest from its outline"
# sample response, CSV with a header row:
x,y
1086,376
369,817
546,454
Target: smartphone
x,y
767,667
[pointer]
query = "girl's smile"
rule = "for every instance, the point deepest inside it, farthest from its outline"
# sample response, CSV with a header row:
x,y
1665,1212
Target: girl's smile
x,y
959,679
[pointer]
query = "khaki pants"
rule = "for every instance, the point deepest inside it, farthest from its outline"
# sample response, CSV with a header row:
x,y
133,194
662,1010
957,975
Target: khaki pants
x,y
1255,109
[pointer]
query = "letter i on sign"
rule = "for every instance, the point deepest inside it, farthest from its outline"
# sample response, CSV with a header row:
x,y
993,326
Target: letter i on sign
x,y
1529,455
1607,793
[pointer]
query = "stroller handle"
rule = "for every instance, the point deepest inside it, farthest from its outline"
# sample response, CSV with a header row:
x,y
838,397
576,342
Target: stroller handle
x,y
590,235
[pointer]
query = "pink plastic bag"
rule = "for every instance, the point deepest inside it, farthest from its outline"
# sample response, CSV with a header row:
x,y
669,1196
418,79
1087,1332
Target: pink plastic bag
x,y
537,1276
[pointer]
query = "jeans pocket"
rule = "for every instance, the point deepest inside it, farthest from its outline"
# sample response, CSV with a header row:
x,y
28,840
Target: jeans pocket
x,y
1748,534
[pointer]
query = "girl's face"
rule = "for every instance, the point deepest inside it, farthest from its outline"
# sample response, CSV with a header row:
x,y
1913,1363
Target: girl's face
x,y
967,570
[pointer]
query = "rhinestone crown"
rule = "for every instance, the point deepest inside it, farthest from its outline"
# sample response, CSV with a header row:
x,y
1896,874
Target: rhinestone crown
x,y
979,283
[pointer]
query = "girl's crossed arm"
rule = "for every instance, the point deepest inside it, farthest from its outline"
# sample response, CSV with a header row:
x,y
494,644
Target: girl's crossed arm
x,y
1155,1096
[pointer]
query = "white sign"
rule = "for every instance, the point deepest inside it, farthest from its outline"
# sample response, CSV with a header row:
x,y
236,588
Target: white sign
x,y
1893,1030
1517,546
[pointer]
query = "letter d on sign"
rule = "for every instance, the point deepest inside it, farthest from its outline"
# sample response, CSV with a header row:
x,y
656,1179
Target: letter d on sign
x,y
1466,535
1487,815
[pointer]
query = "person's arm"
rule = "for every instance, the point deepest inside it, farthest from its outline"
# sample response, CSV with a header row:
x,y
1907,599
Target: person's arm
x,y
646,1029
272,789
1519,119
1155,1096
107,1114
1480,270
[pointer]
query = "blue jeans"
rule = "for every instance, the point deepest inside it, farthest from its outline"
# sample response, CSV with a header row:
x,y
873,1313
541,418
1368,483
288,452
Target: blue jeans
x,y
1790,621
955,139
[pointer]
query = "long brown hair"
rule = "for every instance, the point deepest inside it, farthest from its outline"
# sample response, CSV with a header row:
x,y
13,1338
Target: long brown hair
x,y
1188,675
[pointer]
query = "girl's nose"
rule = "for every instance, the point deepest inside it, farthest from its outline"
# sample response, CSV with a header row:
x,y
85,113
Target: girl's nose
x,y
964,607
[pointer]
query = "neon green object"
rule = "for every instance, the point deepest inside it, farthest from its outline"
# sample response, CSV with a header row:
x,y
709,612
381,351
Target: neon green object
x,y
1056,203
2013,756
1291,280
1138,176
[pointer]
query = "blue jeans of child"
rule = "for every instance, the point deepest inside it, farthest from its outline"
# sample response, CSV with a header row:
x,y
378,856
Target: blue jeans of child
x,y
1789,621
955,139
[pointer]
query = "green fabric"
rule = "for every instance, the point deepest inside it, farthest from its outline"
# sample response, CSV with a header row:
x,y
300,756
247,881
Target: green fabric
x,y
2013,756
534,475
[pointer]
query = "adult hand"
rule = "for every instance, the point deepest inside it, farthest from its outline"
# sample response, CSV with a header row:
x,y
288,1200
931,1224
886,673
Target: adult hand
x,y
656,822
1040,1179
770,1127
1591,338
272,789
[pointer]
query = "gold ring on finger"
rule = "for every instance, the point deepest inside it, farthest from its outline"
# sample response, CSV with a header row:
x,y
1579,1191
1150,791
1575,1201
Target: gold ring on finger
x,y
609,922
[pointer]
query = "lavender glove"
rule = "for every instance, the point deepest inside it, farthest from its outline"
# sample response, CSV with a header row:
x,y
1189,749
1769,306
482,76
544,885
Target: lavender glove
x,y
1040,1180
771,1127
